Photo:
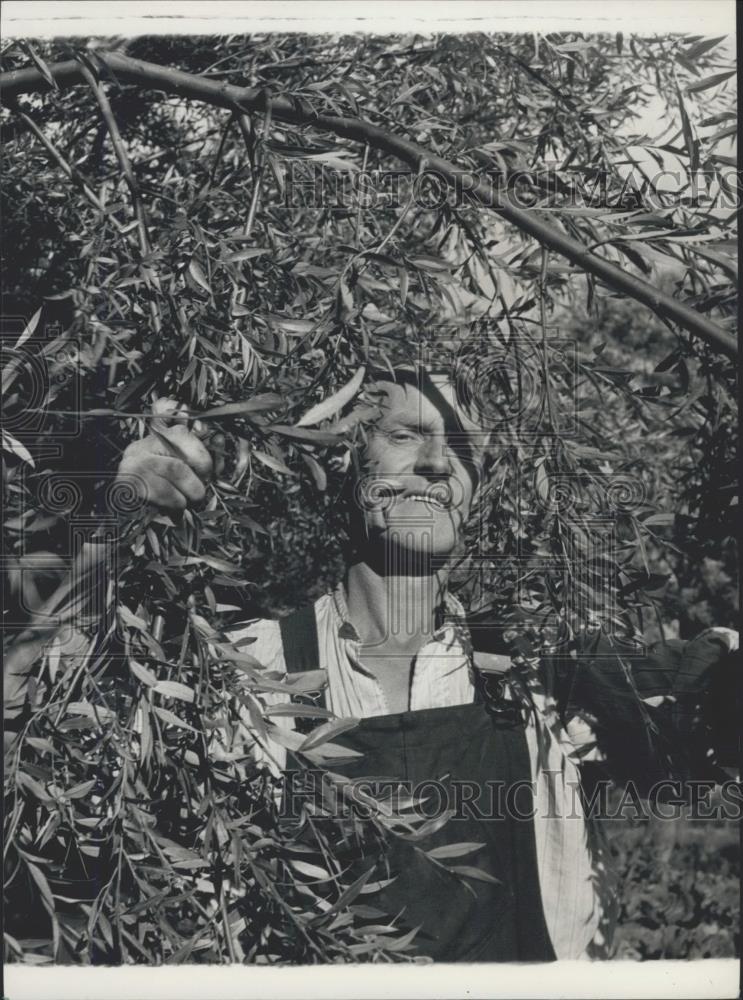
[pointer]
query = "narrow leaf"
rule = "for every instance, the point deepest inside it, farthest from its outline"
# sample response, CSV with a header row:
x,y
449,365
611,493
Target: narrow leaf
x,y
16,448
249,254
171,718
41,66
330,406
692,144
305,711
265,401
333,728
197,273
699,48
273,463
431,825
476,873
311,871
453,850
142,673
40,879
347,896
318,473
305,434
30,327
709,81
81,790
399,944
174,689
33,786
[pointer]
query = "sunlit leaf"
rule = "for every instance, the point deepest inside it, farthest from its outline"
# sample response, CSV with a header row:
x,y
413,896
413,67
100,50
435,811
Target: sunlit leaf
x,y
453,850
174,689
330,406
272,462
143,674
476,873
197,273
328,732
15,447
171,718
257,404
29,330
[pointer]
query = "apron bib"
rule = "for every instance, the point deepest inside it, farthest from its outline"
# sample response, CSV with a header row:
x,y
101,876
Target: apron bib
x,y
477,764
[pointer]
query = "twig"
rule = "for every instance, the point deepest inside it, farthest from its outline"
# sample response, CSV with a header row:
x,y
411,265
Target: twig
x,y
358,207
226,926
543,323
244,122
126,168
220,150
74,175
246,130
403,215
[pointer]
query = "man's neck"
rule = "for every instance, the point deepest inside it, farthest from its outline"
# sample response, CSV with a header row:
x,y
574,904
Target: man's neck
x,y
394,611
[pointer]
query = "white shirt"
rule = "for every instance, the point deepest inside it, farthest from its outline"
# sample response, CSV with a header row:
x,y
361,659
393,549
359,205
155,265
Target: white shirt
x,y
573,872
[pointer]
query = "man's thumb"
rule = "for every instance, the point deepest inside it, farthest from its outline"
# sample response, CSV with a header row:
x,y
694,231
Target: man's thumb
x,y
168,412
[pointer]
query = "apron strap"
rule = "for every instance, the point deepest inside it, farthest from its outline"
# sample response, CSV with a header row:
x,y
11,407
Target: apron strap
x,y
302,652
299,639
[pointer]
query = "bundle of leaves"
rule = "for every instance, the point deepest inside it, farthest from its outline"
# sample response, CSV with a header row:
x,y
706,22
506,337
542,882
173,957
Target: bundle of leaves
x,y
239,255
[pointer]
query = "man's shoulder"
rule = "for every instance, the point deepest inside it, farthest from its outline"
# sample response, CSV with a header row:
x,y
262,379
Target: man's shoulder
x,y
259,637
253,626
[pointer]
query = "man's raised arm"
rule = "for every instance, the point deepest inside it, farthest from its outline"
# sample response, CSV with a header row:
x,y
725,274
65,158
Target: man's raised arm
x,y
168,469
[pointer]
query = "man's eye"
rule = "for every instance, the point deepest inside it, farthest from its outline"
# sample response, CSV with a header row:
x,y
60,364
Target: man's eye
x,y
401,436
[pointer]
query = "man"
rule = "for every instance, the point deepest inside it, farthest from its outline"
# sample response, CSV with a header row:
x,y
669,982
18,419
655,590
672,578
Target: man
x,y
397,651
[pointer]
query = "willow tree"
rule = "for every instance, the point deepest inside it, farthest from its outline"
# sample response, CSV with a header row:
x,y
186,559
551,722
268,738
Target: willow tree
x,y
244,224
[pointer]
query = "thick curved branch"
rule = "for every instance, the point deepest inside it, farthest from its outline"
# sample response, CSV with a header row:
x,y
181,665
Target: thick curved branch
x,y
479,189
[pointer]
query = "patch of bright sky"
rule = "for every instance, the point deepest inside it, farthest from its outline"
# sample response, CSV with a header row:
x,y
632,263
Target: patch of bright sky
x,y
661,124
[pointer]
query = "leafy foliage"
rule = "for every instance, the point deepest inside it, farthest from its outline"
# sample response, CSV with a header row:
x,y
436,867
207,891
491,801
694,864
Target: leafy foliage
x,y
173,246
679,889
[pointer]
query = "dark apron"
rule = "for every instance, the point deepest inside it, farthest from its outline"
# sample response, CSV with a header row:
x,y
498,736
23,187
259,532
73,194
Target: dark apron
x,y
481,768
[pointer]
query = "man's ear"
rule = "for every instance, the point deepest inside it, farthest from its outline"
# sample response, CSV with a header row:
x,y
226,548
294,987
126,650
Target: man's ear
x,y
340,460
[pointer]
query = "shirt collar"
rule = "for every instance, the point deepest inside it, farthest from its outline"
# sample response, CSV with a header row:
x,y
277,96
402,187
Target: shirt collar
x,y
449,616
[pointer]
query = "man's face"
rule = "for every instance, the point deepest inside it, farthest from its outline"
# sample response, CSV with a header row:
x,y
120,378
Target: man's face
x,y
419,471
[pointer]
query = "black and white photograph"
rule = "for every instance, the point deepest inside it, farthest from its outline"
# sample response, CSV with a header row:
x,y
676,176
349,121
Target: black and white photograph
x,y
370,498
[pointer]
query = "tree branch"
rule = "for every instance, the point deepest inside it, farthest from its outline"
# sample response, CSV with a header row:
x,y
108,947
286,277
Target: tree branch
x,y
122,156
479,189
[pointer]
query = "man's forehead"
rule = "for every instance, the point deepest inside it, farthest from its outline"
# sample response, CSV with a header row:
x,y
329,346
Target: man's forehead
x,y
432,396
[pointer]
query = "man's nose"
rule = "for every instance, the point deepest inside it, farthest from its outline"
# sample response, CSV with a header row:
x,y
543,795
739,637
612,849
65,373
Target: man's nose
x,y
432,459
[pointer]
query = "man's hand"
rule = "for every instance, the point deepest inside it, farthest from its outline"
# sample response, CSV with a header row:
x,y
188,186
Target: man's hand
x,y
170,467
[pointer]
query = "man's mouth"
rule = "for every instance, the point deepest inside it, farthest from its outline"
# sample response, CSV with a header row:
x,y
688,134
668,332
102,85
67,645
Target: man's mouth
x,y
378,494
427,498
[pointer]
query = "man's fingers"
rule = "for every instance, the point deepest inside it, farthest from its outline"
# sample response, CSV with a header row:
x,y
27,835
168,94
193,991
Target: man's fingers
x,y
162,493
155,489
168,412
171,465
180,475
170,423
187,447
165,473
